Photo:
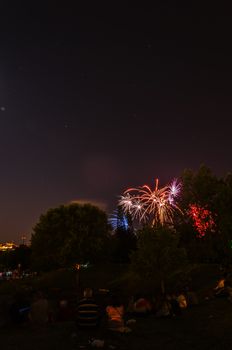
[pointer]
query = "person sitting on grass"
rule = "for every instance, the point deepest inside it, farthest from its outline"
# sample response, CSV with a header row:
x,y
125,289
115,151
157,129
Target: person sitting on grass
x,y
139,307
64,312
88,315
191,296
228,287
39,311
220,290
115,314
175,307
181,298
164,308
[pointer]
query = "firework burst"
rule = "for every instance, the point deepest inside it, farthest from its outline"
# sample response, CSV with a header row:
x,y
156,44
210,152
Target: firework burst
x,y
155,206
202,219
117,220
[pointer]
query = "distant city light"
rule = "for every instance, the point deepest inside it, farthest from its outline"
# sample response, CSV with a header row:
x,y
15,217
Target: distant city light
x,y
7,246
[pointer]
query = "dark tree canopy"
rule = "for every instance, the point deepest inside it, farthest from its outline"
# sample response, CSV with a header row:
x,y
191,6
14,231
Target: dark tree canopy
x,y
69,234
123,242
204,189
123,239
199,187
158,254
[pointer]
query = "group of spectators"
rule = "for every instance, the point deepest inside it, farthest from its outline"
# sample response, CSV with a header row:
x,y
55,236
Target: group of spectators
x,y
119,316
89,311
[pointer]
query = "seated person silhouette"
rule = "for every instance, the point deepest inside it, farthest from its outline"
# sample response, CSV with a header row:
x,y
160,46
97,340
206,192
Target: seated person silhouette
x,y
87,313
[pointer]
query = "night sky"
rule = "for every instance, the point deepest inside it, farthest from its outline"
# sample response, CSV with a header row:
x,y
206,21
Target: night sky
x,y
96,99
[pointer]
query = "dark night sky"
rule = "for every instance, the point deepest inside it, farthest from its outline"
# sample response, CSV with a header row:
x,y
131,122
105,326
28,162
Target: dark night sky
x,y
93,100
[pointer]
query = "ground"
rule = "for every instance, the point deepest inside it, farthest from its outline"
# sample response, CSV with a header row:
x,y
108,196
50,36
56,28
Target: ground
x,y
206,326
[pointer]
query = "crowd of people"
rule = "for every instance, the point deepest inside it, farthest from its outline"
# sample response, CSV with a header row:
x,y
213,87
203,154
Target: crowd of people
x,y
90,312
